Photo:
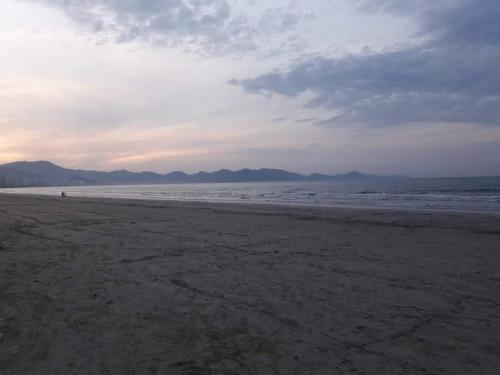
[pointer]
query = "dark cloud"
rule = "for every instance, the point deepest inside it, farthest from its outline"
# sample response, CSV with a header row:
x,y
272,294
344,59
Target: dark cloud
x,y
452,77
202,25
466,23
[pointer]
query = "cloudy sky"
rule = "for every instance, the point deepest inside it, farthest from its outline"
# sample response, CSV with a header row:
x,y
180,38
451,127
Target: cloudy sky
x,y
381,86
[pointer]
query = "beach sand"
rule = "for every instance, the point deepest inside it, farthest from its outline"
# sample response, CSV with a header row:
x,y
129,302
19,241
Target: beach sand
x,y
94,286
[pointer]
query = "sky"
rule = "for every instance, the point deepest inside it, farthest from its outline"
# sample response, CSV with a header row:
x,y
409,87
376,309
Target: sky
x,y
379,86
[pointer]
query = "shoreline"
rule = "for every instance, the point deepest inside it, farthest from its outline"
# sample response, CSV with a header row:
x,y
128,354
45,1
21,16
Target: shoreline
x,y
122,286
270,204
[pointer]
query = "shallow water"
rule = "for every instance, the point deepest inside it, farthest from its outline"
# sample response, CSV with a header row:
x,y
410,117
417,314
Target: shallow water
x,y
479,194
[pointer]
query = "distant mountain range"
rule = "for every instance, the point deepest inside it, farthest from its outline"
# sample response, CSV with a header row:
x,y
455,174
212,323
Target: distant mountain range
x,y
44,173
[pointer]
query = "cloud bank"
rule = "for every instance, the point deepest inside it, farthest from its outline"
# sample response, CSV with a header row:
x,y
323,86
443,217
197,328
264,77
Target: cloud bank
x,y
452,75
213,26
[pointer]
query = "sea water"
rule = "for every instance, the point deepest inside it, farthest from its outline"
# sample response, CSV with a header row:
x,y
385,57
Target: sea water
x,y
479,194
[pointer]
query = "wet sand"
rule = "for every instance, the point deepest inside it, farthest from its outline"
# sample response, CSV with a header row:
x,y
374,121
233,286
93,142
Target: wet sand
x,y
93,286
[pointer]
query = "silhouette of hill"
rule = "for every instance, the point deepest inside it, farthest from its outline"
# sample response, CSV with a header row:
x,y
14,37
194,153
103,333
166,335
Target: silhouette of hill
x,y
45,173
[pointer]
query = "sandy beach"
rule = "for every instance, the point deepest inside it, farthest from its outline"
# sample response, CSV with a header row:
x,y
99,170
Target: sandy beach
x,y
94,286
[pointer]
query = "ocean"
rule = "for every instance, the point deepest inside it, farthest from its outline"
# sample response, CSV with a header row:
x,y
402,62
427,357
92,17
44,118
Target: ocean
x,y
468,194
